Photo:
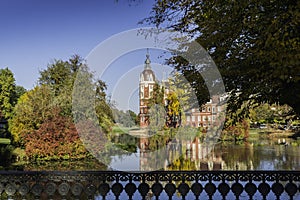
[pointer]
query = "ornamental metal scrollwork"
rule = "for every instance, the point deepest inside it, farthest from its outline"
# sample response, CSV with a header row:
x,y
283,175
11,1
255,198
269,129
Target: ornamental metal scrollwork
x,y
50,188
77,189
141,185
23,189
63,189
10,189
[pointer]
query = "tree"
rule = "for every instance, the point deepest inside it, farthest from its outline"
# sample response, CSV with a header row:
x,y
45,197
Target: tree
x,y
266,113
157,96
255,45
55,138
173,110
30,112
133,116
35,109
156,109
8,94
127,119
59,77
20,90
103,110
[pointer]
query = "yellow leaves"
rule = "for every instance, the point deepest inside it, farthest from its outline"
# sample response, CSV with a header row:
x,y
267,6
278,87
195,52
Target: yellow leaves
x,y
174,104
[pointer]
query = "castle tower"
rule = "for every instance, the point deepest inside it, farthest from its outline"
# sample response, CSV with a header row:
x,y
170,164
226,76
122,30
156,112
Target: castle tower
x,y
147,82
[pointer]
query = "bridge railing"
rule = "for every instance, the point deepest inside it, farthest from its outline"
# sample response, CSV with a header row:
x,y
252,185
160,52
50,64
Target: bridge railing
x,y
151,185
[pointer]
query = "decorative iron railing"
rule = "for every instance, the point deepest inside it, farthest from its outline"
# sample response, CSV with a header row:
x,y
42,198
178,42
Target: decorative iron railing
x,y
151,185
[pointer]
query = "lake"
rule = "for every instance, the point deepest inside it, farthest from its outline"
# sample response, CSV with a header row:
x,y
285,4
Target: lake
x,y
162,153
256,154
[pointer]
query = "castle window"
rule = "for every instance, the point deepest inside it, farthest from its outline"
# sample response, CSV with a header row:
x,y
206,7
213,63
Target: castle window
x,y
199,118
213,109
193,118
188,118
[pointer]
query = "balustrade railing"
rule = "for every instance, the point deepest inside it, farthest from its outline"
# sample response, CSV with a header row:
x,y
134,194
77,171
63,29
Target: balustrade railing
x,y
150,185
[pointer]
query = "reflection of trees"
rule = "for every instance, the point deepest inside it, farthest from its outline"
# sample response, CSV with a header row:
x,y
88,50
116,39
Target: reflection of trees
x,y
237,157
169,151
66,165
182,164
214,157
278,157
5,155
125,142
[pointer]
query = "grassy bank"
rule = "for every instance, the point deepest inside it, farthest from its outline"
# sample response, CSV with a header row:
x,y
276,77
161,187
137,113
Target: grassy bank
x,y
4,141
269,133
117,130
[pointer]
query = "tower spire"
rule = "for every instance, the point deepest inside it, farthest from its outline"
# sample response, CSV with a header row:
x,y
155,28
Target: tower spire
x,y
147,61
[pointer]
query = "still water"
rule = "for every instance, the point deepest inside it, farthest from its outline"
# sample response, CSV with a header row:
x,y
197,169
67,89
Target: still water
x,y
258,154
147,154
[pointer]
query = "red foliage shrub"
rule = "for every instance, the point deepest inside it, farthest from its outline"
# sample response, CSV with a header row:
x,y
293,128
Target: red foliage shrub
x,y
56,138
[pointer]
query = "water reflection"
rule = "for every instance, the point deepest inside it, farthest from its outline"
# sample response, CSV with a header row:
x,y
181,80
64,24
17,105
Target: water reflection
x,y
147,154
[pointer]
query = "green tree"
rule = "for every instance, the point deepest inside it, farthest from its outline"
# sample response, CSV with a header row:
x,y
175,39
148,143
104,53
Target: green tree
x,y
266,113
156,108
20,90
127,119
157,96
60,77
255,45
180,99
133,117
8,94
30,112
50,102
103,110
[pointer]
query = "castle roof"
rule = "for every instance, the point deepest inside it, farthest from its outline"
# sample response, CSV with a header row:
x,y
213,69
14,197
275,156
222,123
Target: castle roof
x,y
147,74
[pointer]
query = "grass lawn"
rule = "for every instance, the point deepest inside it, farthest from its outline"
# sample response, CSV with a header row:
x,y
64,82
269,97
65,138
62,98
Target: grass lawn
x,y
4,141
120,130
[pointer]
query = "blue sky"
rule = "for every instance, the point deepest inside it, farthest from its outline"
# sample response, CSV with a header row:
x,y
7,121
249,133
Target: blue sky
x,y
33,32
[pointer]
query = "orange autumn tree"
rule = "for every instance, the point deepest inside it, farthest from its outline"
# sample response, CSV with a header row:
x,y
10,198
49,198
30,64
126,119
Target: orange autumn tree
x,y
56,138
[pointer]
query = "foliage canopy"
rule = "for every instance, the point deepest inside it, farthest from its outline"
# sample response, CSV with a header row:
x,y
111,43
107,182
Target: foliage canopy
x,y
255,45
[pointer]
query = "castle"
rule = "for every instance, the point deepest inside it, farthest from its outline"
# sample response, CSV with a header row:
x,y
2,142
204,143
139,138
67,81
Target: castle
x,y
207,116
147,82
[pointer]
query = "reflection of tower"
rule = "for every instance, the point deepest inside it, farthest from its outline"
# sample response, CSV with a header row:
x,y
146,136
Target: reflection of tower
x,y
147,82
